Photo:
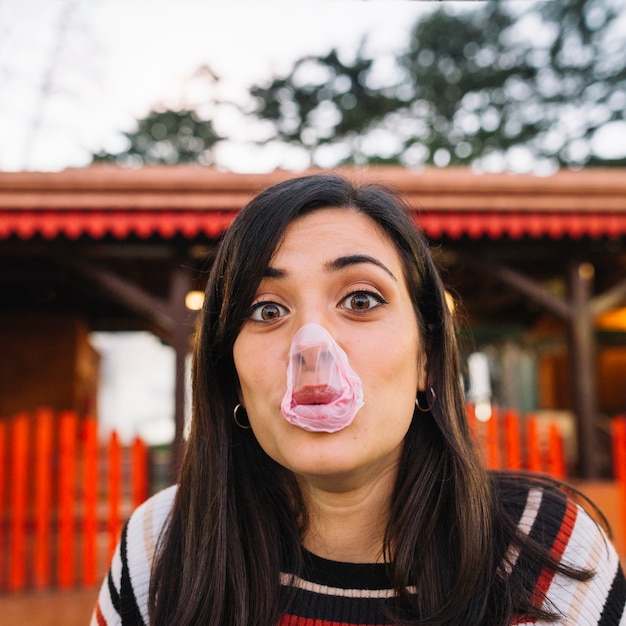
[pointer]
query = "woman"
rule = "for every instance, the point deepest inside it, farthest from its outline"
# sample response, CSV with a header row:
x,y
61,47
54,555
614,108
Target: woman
x,y
330,477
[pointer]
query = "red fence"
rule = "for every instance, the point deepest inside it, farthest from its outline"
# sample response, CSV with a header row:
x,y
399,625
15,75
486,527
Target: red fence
x,y
511,441
63,496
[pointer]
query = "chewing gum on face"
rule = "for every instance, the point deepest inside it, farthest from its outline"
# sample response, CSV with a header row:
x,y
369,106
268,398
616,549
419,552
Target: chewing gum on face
x,y
323,392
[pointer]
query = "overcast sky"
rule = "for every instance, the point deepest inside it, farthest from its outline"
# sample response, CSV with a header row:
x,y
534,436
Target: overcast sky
x,y
73,73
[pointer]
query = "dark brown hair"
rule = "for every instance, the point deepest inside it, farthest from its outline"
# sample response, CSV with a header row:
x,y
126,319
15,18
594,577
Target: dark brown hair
x,y
238,516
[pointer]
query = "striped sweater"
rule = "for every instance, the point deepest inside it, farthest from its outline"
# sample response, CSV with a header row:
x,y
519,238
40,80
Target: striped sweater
x,y
327,593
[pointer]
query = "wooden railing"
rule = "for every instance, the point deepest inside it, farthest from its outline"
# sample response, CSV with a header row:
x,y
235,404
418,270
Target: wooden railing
x,y
63,498
64,495
509,440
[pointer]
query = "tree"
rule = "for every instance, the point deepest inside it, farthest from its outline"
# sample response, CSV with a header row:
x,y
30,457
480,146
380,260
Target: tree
x,y
167,137
484,86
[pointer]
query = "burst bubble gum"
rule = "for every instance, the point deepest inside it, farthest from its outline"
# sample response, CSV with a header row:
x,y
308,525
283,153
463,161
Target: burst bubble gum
x,y
323,392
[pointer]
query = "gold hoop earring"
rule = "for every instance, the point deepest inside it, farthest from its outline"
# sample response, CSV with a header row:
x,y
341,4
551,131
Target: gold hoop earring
x,y
430,402
237,421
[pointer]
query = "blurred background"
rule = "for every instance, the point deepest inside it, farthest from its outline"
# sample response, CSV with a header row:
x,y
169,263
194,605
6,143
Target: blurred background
x,y
502,122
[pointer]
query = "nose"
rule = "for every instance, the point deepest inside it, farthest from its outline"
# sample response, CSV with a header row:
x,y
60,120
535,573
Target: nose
x,y
313,356
313,364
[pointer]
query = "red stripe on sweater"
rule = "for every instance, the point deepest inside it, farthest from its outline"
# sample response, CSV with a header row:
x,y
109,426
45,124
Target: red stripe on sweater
x,y
99,617
294,620
558,547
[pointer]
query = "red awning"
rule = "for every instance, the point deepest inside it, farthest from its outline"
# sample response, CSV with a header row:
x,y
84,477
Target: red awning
x,y
515,225
189,201
189,224
118,223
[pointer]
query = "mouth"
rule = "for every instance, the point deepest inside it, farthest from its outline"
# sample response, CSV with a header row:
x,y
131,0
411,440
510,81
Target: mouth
x,y
315,394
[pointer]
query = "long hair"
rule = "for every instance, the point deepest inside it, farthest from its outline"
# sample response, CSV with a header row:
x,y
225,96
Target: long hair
x,y
238,516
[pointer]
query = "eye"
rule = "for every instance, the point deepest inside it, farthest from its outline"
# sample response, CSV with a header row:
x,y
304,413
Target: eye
x,y
267,311
362,301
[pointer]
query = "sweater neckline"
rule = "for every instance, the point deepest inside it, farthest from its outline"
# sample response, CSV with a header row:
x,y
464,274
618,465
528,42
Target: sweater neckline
x,y
344,575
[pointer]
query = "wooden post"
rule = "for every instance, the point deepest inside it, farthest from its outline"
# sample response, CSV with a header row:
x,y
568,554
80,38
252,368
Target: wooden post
x,y
493,440
180,285
18,502
139,472
582,362
67,493
90,501
533,445
114,490
43,497
3,465
513,440
618,435
556,457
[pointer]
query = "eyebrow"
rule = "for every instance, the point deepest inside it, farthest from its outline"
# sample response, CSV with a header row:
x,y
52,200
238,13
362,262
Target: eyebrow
x,y
336,265
355,259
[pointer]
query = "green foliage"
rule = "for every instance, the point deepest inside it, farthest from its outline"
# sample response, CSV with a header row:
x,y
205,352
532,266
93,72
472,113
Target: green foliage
x,y
166,137
502,85
482,86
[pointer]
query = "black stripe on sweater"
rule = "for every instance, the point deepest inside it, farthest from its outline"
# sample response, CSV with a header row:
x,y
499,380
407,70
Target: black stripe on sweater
x,y
129,611
115,597
328,608
615,604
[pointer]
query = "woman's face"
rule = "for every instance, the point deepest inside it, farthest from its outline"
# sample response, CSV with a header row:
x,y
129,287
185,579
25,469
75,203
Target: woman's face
x,y
338,269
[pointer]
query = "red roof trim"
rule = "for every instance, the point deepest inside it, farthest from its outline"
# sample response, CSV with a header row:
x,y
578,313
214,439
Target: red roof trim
x,y
523,224
167,224
119,224
183,200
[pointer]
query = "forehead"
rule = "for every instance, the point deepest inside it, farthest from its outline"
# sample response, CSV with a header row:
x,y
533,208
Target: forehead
x,y
334,231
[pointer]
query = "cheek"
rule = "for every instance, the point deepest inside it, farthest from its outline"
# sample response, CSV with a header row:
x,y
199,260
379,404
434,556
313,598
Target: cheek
x,y
390,364
262,373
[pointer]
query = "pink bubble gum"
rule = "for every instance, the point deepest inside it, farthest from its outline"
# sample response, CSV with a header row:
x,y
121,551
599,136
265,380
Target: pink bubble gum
x,y
323,392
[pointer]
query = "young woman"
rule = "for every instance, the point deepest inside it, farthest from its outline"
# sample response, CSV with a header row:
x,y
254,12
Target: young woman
x,y
330,477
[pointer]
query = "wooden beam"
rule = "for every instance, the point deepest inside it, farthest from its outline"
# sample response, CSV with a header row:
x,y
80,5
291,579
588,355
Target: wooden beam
x,y
129,294
609,299
524,284
578,312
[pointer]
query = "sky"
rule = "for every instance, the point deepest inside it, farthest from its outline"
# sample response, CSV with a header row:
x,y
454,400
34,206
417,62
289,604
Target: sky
x,y
73,73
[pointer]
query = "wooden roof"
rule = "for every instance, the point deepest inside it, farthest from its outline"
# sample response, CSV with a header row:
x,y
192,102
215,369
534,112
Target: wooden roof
x,y
189,201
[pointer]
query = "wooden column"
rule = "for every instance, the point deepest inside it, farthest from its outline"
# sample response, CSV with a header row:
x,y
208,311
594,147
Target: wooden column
x,y
181,331
583,366
171,317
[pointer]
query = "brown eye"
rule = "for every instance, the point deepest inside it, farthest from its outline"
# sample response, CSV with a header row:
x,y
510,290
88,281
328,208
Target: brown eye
x,y
362,301
267,311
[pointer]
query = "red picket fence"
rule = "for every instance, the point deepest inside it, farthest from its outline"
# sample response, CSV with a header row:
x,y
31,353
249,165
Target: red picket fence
x,y
63,496
510,441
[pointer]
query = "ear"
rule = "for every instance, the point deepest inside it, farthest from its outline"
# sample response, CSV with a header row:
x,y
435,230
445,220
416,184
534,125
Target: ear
x,y
422,374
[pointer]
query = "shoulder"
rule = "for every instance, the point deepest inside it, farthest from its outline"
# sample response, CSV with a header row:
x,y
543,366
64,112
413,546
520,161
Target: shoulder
x,y
147,522
541,508
568,528
124,594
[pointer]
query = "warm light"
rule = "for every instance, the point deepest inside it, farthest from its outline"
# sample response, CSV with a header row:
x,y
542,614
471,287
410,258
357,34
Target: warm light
x,y
482,410
194,300
612,320
586,271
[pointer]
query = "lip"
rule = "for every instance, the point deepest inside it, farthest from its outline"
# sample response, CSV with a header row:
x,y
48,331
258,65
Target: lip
x,y
315,394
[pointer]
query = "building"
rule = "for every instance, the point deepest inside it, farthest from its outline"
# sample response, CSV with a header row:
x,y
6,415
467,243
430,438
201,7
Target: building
x,y
536,264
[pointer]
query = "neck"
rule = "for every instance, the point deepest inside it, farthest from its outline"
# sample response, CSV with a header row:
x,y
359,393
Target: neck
x,y
347,519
